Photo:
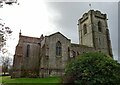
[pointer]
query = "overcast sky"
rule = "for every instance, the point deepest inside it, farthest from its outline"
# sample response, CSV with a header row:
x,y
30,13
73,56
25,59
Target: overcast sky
x,y
38,17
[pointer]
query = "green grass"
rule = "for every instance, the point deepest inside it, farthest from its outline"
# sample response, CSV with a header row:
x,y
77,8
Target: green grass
x,y
7,79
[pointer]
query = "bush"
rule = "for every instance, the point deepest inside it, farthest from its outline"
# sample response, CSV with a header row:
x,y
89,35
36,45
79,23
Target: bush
x,y
93,69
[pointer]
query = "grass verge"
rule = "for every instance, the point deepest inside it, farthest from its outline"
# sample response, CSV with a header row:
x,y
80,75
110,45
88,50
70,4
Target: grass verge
x,y
23,81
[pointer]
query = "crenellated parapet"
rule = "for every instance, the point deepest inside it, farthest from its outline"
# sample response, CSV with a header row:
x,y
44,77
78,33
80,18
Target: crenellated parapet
x,y
96,14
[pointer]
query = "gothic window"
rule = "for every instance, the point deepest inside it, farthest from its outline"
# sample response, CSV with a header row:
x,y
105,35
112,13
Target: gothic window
x,y
99,26
68,52
47,50
99,41
85,28
28,51
74,54
58,49
78,53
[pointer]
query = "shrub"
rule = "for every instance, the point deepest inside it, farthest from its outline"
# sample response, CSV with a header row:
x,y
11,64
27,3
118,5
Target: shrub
x,y
93,69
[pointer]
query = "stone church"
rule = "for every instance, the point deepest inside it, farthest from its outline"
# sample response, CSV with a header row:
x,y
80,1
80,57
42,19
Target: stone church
x,y
48,55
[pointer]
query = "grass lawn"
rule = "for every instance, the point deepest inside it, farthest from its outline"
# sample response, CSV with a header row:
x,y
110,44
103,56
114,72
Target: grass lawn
x,y
7,79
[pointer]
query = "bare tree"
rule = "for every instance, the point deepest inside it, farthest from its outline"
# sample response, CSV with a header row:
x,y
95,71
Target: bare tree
x,y
5,33
6,63
8,2
5,60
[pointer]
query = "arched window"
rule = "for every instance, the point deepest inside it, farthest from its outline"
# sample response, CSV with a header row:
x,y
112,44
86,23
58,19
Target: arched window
x,y
58,49
85,28
99,26
74,54
78,53
99,40
28,51
68,52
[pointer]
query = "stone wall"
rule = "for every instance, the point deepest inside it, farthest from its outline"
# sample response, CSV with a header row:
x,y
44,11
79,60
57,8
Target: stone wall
x,y
27,66
43,60
50,60
80,49
94,38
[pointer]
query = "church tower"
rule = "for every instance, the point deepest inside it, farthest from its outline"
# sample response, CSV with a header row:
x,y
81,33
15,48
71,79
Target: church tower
x,y
93,31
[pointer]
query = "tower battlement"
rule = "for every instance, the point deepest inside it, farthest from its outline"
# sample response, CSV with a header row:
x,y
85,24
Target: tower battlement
x,y
93,31
96,14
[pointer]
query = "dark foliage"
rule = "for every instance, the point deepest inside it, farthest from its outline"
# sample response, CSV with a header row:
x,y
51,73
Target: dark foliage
x,y
93,69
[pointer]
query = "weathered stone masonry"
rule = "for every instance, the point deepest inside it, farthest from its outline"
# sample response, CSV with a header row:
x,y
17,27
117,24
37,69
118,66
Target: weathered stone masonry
x,y
48,55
